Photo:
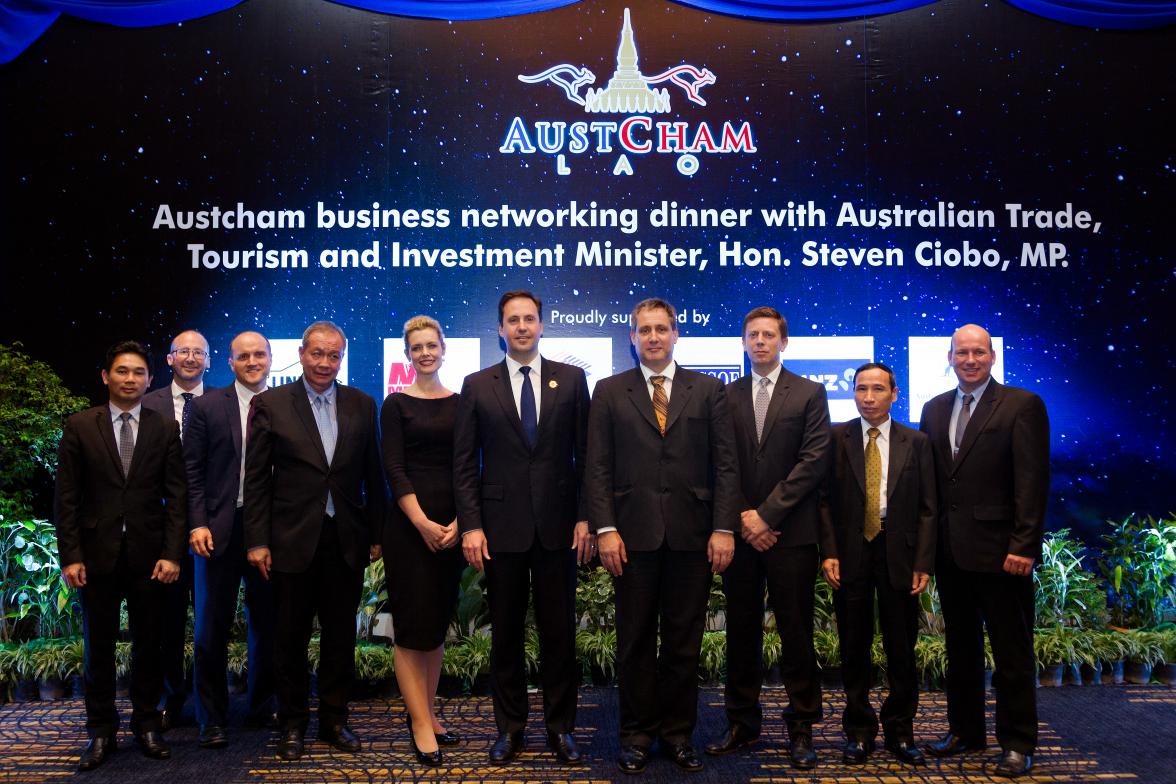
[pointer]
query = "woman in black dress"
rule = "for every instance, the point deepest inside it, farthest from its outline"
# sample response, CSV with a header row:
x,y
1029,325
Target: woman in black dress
x,y
422,563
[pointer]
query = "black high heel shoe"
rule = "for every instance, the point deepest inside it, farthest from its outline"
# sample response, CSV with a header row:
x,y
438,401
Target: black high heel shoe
x,y
430,758
447,738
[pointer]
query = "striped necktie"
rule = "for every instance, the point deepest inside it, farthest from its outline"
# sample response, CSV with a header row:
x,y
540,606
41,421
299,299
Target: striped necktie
x,y
661,403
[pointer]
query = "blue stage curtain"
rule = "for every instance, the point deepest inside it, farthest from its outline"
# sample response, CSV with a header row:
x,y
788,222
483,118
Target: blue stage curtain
x,y
23,21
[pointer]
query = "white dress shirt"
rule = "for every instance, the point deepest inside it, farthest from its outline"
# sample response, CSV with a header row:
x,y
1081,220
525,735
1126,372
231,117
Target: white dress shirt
x,y
516,382
177,393
116,421
772,378
667,385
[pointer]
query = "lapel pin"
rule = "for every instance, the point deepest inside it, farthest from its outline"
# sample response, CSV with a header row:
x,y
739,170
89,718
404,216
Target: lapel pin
x,y
553,383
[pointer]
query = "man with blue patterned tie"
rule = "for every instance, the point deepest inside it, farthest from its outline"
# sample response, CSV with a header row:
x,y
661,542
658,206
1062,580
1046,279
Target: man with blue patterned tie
x,y
120,509
189,359
314,510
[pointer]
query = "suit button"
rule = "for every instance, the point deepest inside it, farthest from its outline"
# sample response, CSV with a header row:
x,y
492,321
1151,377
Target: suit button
x,y
955,480
955,507
665,490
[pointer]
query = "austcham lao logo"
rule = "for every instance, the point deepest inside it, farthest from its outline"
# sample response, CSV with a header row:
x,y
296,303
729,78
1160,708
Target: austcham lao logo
x,y
630,93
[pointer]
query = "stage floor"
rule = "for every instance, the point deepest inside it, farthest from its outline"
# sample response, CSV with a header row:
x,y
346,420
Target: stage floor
x,y
1088,734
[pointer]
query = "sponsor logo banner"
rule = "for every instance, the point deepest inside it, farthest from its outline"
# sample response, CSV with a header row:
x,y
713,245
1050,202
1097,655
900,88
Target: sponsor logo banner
x,y
831,361
287,368
462,357
930,373
592,355
718,357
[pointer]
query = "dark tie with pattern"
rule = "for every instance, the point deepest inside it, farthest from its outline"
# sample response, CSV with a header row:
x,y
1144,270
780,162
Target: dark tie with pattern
x,y
962,423
661,403
872,525
527,407
186,414
761,407
126,442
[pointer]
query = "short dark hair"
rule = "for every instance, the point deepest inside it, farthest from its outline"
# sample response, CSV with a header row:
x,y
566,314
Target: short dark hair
x,y
654,303
518,294
766,311
876,366
127,347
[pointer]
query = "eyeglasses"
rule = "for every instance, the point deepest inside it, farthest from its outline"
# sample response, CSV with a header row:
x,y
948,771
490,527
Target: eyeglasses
x,y
195,353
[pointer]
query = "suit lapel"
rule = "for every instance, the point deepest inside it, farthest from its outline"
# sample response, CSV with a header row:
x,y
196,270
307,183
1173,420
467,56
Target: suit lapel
x,y
301,402
232,408
147,425
344,414
106,429
779,394
505,395
979,419
940,420
856,452
742,409
548,394
639,396
680,390
900,445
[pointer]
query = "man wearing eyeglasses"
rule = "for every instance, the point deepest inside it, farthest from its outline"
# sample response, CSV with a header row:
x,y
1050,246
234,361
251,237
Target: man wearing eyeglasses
x,y
188,359
314,510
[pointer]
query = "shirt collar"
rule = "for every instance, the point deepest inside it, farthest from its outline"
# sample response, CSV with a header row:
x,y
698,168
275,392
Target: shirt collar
x,y
669,372
513,365
883,429
977,393
244,393
329,395
116,412
774,376
177,390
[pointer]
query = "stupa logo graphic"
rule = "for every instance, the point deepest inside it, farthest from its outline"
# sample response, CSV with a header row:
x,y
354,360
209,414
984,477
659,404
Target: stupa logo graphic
x,y
628,92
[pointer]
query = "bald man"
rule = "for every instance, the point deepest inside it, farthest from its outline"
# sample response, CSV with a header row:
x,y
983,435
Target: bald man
x,y
189,360
214,454
991,447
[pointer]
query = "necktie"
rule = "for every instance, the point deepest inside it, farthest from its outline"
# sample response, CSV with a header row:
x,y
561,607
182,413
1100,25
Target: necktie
x,y
186,414
126,442
661,403
527,407
326,428
962,423
761,407
873,522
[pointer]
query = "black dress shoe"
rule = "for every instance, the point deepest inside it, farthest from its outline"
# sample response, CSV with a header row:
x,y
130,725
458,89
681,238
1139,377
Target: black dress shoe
x,y
857,751
290,745
447,738
736,737
951,744
261,721
96,752
633,759
1013,764
506,748
153,745
213,736
801,753
564,746
683,755
340,736
907,752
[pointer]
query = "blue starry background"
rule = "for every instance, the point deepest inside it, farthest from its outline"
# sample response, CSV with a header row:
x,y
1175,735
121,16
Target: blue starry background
x,y
283,105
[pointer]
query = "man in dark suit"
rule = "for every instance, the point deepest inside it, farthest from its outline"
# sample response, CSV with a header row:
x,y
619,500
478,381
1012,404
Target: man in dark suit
x,y
214,451
314,509
991,445
120,507
781,426
662,493
189,359
878,539
519,447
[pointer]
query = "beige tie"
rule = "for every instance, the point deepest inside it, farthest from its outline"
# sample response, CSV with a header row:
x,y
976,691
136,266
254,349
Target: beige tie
x,y
661,403
873,521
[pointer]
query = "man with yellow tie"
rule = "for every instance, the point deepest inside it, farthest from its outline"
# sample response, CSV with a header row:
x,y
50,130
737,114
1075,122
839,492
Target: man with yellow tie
x,y
878,530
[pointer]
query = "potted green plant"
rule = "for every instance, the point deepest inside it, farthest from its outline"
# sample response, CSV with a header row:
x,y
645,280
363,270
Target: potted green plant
x,y
122,668
828,650
52,667
931,659
74,650
1056,649
24,667
773,651
1166,671
8,653
374,599
1147,650
1139,564
712,656
373,669
237,666
596,648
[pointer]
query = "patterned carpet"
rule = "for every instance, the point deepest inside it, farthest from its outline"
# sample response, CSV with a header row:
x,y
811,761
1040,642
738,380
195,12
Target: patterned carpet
x,y
1088,734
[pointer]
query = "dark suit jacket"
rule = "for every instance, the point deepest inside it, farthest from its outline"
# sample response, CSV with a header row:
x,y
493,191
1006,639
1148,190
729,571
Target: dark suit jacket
x,y
677,488
992,497
93,501
505,487
780,475
212,454
287,477
161,400
910,503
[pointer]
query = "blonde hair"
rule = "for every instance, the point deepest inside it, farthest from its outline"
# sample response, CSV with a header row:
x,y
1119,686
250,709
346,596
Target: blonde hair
x,y
423,322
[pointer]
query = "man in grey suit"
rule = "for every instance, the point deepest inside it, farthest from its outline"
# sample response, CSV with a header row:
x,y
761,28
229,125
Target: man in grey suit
x,y
878,540
781,426
189,360
662,492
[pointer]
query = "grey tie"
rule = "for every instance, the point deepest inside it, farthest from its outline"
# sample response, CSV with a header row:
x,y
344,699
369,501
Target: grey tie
x,y
761,407
326,428
962,422
126,442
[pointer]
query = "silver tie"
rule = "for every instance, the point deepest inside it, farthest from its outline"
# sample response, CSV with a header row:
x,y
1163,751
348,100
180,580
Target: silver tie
x,y
761,407
126,442
962,422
